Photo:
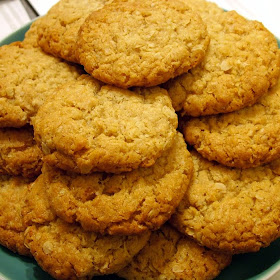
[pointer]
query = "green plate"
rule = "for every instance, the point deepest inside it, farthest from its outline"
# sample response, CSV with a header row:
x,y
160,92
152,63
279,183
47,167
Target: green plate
x,y
252,266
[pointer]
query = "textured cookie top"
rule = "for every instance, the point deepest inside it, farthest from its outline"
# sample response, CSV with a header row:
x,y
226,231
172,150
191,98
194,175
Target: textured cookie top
x,y
19,153
243,139
232,210
66,251
127,203
241,63
171,255
141,43
12,199
26,77
58,30
36,208
31,36
208,11
87,126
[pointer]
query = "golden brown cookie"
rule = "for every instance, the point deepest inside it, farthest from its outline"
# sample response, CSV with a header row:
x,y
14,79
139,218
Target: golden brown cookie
x,y
171,255
127,203
12,198
141,43
31,36
36,208
58,30
19,153
87,126
231,210
241,63
66,251
27,75
208,11
244,138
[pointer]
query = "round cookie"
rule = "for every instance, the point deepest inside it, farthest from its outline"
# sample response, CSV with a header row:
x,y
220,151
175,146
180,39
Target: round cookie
x,y
245,138
232,210
127,203
242,62
27,75
171,255
141,43
87,126
19,154
66,251
12,198
58,29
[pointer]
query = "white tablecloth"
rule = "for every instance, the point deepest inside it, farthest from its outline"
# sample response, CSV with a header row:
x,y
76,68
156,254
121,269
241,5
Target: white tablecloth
x,y
12,17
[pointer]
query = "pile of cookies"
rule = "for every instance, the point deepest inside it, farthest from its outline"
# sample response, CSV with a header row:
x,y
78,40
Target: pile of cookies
x,y
96,176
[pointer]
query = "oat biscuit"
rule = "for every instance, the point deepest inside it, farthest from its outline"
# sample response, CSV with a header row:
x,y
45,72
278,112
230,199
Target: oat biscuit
x,y
232,210
19,153
171,255
87,126
141,43
31,36
26,77
208,11
245,138
58,30
12,193
66,251
127,203
36,208
241,63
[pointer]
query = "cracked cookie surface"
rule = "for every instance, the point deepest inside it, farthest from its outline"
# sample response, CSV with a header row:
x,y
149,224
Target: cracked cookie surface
x,y
66,251
87,126
229,209
242,62
31,35
19,153
126,203
141,43
58,30
12,199
26,77
171,255
245,138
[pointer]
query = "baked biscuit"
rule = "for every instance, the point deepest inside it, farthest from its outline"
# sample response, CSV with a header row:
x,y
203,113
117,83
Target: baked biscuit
x,y
127,203
208,11
26,77
232,210
141,43
87,126
171,255
244,138
58,30
66,251
19,154
241,63
12,198
31,36
36,208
